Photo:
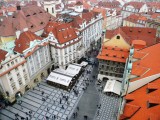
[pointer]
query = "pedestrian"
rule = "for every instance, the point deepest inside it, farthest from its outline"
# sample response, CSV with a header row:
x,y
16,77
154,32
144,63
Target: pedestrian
x,y
47,109
54,116
60,101
42,92
85,117
77,108
97,112
47,117
66,118
76,114
68,103
62,107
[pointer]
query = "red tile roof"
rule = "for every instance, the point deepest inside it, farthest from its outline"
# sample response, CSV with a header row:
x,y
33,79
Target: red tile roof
x,y
136,5
79,3
129,110
24,40
28,17
152,54
140,97
113,54
64,32
134,33
108,4
2,55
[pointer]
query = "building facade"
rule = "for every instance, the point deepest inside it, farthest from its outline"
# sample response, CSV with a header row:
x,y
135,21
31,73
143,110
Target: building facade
x,y
14,75
53,6
134,8
65,44
37,54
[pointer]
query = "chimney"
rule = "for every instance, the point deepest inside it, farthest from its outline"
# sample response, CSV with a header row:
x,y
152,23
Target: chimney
x,y
18,34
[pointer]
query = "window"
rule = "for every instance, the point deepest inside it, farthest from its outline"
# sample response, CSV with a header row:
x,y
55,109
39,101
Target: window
x,y
20,82
13,87
47,9
9,73
52,10
16,69
8,65
118,37
11,79
16,60
24,70
18,75
12,63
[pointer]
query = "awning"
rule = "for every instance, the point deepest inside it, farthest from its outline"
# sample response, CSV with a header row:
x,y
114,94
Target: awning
x,y
74,69
60,79
84,63
113,86
65,72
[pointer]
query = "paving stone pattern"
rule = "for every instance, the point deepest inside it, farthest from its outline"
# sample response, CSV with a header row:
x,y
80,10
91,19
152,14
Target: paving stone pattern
x,y
109,103
32,101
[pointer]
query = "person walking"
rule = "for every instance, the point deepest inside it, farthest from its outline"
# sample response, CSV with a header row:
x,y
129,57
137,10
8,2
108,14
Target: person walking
x,y
77,108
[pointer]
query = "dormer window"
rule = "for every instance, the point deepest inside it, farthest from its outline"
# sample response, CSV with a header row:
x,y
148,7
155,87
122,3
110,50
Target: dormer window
x,y
149,105
27,15
32,26
42,23
40,12
34,13
118,37
149,32
114,55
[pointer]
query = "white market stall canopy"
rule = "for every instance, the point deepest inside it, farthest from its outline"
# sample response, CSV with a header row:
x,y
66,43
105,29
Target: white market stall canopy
x,y
59,78
113,86
63,71
73,68
84,63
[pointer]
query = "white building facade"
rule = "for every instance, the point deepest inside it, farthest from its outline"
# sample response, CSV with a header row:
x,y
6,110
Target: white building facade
x,y
14,76
53,7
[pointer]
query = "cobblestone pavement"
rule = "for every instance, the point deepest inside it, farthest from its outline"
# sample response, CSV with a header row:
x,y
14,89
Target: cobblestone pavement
x,y
108,106
48,109
89,101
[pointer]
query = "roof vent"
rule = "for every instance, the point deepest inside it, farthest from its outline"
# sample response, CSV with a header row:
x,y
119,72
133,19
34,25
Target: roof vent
x,y
139,31
149,32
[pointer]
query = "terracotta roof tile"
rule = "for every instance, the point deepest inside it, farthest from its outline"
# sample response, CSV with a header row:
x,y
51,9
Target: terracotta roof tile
x,y
2,55
64,32
130,110
152,54
79,3
28,17
24,40
134,33
136,5
114,54
141,97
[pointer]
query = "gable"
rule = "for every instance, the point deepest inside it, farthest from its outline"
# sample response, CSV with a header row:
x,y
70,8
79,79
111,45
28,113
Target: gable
x,y
52,38
117,41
